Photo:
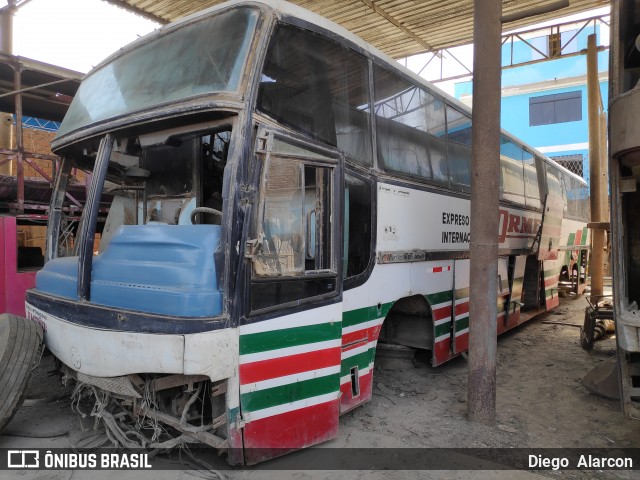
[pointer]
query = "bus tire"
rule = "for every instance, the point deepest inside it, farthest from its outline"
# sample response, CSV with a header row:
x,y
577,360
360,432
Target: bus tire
x,y
20,350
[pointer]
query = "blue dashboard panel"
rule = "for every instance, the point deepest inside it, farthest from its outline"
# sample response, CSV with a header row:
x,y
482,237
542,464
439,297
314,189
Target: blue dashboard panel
x,y
59,277
162,269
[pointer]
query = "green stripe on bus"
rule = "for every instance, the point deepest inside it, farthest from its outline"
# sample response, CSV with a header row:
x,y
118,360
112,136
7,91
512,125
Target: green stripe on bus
x,y
272,397
570,241
583,240
439,297
551,272
462,323
289,337
443,329
361,360
361,315
551,292
353,317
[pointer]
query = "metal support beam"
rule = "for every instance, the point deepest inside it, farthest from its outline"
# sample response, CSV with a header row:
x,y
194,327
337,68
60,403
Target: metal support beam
x,y
603,177
6,46
568,47
6,27
485,175
532,12
17,80
598,237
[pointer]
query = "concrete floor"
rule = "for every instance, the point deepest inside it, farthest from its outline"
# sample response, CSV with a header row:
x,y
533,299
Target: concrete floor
x,y
541,403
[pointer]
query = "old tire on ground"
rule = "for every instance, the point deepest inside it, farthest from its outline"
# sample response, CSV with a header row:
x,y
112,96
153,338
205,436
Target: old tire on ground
x,y
20,349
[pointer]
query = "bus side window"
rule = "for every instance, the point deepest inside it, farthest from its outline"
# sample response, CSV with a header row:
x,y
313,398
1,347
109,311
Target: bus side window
x,y
410,127
295,257
511,171
512,180
531,187
459,147
295,227
316,86
282,226
357,227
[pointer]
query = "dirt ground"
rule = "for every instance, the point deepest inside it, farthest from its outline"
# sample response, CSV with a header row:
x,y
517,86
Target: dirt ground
x,y
541,404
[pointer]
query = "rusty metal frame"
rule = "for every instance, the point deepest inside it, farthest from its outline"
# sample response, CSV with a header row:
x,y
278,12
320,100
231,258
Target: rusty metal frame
x,y
519,36
19,154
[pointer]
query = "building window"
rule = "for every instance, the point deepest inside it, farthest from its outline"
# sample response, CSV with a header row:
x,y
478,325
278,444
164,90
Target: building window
x,y
557,108
573,163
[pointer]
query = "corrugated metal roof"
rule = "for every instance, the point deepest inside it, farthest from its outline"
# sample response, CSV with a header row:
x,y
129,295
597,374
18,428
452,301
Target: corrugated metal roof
x,y
397,27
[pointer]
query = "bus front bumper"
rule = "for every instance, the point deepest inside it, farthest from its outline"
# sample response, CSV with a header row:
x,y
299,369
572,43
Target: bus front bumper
x,y
112,353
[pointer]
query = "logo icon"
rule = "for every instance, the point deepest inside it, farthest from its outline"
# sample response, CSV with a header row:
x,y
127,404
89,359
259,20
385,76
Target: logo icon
x,y
23,459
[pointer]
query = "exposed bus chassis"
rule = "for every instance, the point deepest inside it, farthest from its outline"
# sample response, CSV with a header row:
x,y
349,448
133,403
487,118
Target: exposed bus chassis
x,y
153,411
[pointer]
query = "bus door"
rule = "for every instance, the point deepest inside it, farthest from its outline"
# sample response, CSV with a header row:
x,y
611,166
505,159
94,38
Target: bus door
x,y
460,332
506,269
460,313
553,207
291,336
551,220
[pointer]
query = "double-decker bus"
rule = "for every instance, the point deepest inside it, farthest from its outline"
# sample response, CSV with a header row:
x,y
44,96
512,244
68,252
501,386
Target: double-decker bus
x,y
281,198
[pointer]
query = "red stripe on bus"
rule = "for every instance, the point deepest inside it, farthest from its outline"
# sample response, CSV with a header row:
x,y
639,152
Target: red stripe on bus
x,y
462,308
552,302
355,345
442,313
347,400
441,351
276,435
366,334
512,321
462,342
289,365
520,236
437,269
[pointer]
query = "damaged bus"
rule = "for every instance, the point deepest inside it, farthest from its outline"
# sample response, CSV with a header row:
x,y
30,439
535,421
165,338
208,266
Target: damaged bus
x,y
282,200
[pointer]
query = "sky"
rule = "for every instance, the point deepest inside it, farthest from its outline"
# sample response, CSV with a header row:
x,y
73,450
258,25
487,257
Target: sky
x,y
75,34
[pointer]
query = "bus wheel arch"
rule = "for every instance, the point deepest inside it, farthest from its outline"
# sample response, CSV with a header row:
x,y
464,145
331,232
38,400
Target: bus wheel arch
x,y
409,322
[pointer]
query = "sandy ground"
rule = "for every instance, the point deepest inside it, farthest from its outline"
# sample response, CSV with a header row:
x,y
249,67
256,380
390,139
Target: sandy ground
x,y
541,404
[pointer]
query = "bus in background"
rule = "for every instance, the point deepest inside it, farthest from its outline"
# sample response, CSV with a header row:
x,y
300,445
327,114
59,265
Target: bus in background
x,y
282,199
624,174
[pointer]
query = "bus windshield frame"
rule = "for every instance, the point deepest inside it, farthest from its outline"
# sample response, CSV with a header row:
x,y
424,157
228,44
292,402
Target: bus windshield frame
x,y
170,66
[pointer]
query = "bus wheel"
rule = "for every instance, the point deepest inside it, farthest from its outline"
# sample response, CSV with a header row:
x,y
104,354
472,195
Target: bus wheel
x,y
587,329
20,350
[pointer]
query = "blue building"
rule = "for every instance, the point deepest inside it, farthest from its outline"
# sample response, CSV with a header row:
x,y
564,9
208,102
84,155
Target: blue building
x,y
545,103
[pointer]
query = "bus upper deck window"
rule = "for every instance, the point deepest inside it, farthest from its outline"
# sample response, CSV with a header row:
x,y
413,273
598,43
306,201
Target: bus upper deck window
x,y
316,86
